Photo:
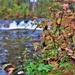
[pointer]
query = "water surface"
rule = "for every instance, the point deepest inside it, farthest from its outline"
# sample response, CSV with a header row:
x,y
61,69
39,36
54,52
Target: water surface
x,y
14,38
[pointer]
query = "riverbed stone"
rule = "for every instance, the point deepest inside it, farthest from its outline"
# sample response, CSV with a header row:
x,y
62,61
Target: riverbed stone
x,y
2,72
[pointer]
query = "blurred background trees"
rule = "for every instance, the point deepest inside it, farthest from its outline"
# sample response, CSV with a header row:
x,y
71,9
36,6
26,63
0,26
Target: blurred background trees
x,y
21,9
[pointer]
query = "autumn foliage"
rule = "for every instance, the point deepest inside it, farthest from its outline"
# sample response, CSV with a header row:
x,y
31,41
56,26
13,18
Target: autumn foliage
x,y
58,42
55,55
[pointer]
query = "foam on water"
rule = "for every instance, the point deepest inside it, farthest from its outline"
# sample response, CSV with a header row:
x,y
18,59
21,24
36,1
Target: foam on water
x,y
21,25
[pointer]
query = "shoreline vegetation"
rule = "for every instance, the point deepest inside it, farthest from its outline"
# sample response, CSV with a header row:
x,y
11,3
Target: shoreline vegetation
x,y
55,55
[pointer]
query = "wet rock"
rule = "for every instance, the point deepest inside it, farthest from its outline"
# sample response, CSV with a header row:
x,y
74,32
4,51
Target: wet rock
x,y
6,51
2,44
1,37
2,72
3,53
3,59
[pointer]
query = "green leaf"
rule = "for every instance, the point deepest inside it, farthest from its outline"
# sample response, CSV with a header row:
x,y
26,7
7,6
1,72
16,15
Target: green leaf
x,y
51,66
46,68
40,68
29,70
74,38
43,67
53,52
32,65
64,64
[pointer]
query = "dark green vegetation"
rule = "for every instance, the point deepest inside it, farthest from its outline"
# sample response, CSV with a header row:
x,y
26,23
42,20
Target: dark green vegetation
x,y
56,53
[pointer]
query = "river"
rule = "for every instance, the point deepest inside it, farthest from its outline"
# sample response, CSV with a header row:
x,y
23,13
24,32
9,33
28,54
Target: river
x,y
15,36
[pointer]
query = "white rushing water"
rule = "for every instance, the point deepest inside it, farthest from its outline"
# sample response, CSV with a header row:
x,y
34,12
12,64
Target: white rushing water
x,y
22,25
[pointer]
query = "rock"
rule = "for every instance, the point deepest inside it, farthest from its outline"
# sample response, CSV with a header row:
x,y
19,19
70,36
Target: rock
x,y
2,72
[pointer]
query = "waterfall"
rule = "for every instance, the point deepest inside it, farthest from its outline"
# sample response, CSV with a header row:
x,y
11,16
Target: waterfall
x,y
18,24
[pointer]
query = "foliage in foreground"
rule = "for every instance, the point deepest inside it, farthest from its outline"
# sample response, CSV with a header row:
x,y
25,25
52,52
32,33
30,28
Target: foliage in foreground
x,y
56,54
